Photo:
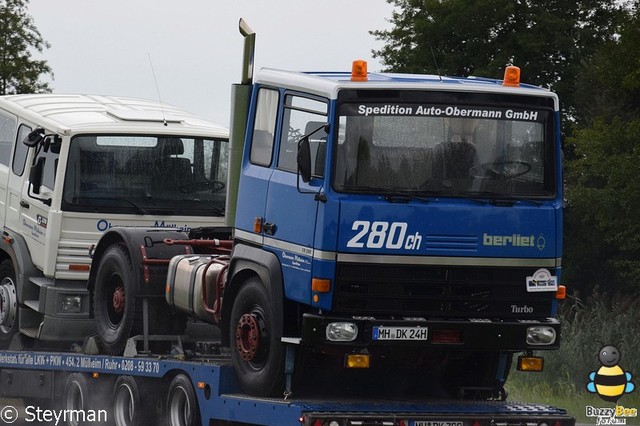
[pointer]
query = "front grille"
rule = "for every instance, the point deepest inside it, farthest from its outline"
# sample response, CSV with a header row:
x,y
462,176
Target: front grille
x,y
438,292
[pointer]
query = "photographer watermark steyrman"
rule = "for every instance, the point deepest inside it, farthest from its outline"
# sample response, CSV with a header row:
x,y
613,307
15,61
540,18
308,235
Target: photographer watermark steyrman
x,y
10,414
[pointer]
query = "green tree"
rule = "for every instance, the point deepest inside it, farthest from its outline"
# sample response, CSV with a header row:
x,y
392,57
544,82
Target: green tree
x,y
547,39
603,224
19,38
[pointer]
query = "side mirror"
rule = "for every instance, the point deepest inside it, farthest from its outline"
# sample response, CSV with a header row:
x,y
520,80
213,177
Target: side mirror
x,y
34,138
35,175
304,159
52,143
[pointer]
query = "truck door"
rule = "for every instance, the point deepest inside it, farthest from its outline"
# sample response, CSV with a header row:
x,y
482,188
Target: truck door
x,y
17,176
7,138
290,215
29,207
256,170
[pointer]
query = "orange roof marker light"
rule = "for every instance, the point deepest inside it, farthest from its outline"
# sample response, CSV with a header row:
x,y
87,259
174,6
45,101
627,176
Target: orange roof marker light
x,y
511,76
359,70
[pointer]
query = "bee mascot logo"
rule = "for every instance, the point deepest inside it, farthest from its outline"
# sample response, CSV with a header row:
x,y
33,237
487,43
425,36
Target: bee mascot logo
x,y
610,382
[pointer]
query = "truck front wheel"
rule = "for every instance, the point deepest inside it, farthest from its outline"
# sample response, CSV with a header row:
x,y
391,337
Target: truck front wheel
x,y
114,298
255,336
8,304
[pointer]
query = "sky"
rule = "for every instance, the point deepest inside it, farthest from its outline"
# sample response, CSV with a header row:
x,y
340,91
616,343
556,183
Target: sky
x,y
194,48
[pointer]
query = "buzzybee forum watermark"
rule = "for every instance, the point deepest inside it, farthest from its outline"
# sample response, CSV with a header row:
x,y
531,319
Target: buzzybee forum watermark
x,y
9,414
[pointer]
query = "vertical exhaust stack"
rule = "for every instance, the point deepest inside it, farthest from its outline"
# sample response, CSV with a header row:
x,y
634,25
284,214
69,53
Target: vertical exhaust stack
x,y
240,95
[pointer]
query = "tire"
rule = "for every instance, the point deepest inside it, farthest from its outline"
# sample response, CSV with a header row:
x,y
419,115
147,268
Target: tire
x,y
80,394
182,404
128,408
9,310
114,298
255,333
75,396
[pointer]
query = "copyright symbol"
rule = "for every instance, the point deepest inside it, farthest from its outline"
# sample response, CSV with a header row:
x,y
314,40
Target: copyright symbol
x,y
9,414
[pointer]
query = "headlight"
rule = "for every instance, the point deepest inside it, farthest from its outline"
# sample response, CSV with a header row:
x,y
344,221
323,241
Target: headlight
x,y
541,335
342,332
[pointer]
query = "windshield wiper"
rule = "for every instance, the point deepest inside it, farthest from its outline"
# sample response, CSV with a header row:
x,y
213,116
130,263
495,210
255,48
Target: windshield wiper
x,y
501,201
393,195
403,197
139,210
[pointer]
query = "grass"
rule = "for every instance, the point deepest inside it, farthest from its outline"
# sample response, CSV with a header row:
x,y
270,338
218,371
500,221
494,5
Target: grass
x,y
566,396
587,327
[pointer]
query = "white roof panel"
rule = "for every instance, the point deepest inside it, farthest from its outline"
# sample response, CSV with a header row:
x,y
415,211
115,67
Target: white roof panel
x,y
70,113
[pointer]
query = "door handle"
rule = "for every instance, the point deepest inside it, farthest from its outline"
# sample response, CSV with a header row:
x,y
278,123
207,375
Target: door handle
x,y
269,228
24,204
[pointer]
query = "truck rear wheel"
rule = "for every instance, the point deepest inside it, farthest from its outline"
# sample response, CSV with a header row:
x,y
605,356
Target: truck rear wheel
x,y
77,398
182,403
8,304
114,299
255,337
128,409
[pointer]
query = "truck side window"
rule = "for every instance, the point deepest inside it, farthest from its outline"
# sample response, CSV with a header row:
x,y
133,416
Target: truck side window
x,y
7,134
301,117
21,150
50,166
264,127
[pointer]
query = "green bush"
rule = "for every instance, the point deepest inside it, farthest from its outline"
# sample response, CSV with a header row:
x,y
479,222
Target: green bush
x,y
586,328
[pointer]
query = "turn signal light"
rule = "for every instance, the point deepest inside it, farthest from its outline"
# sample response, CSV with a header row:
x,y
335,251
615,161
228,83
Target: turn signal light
x,y
321,285
357,361
511,76
257,225
530,363
561,293
359,71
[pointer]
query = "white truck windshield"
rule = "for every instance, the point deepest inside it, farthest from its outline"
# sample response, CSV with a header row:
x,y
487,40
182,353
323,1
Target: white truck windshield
x,y
146,174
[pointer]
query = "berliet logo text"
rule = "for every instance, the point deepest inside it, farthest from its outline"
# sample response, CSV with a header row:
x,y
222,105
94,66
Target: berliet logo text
x,y
514,240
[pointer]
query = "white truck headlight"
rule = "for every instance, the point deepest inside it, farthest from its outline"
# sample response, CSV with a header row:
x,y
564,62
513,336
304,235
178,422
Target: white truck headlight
x,y
541,335
342,332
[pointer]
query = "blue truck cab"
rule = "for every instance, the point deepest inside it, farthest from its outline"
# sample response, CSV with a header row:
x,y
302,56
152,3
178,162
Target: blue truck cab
x,y
399,219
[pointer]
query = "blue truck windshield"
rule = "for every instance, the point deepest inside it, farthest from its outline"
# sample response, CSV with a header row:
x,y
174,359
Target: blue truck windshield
x,y
445,150
141,174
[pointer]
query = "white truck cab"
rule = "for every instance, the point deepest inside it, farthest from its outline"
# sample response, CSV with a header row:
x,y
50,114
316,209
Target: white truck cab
x,y
73,166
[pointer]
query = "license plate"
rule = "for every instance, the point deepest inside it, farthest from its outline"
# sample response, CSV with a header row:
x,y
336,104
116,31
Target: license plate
x,y
436,423
399,333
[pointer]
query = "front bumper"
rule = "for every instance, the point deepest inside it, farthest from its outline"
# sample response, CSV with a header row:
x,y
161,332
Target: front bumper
x,y
472,334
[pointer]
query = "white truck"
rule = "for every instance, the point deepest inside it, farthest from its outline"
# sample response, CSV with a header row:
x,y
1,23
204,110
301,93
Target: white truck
x,y
73,166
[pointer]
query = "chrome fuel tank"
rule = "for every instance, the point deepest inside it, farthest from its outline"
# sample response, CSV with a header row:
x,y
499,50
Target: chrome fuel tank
x,y
184,289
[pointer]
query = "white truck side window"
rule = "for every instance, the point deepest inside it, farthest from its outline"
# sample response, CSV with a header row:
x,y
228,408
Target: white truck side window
x,y
7,135
21,150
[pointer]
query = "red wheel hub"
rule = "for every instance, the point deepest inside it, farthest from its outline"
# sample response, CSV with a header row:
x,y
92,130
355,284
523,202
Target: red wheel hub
x,y
248,337
118,299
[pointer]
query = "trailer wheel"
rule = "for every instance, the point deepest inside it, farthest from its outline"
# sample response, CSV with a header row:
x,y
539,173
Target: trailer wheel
x,y
128,409
75,396
182,404
255,332
8,304
81,393
114,298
